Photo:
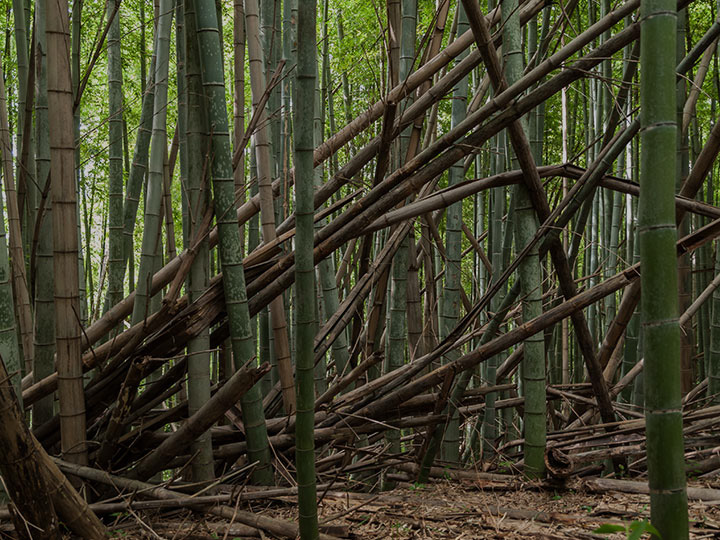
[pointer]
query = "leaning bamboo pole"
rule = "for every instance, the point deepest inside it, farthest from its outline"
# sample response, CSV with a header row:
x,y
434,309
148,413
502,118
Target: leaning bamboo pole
x,y
241,381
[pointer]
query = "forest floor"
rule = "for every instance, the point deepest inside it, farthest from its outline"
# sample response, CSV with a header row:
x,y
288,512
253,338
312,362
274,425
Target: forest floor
x,y
446,509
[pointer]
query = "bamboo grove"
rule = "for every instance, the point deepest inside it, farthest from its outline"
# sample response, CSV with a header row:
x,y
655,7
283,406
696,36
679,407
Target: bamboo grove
x,y
303,244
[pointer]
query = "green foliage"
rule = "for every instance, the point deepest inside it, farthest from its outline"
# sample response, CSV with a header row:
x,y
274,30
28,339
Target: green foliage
x,y
633,530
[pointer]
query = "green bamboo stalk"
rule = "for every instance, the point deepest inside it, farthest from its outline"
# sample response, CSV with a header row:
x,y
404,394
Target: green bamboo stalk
x,y
657,236
241,337
506,422
9,346
21,51
287,86
267,211
272,44
347,96
143,47
260,323
593,111
683,228
326,110
196,126
304,272
632,336
26,187
714,364
20,206
397,314
270,11
497,211
530,275
450,306
239,103
115,159
138,170
153,196
182,118
44,361
611,258
326,271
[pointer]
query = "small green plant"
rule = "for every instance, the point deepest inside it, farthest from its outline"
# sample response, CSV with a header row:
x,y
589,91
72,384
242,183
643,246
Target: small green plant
x,y
505,466
633,531
556,497
417,486
588,508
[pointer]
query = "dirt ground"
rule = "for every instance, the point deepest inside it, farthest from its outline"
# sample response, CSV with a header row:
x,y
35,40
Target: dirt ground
x,y
458,510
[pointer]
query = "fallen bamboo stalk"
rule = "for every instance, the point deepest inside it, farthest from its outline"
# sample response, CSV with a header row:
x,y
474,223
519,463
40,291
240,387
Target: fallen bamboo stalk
x,y
229,394
605,485
143,489
495,510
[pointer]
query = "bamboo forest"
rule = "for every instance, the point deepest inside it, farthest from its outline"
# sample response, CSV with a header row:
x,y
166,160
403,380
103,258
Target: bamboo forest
x,y
360,269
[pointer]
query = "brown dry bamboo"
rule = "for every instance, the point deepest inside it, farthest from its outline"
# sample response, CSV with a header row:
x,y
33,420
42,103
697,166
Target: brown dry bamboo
x,y
128,391
550,317
696,86
35,484
414,307
65,233
605,485
229,394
